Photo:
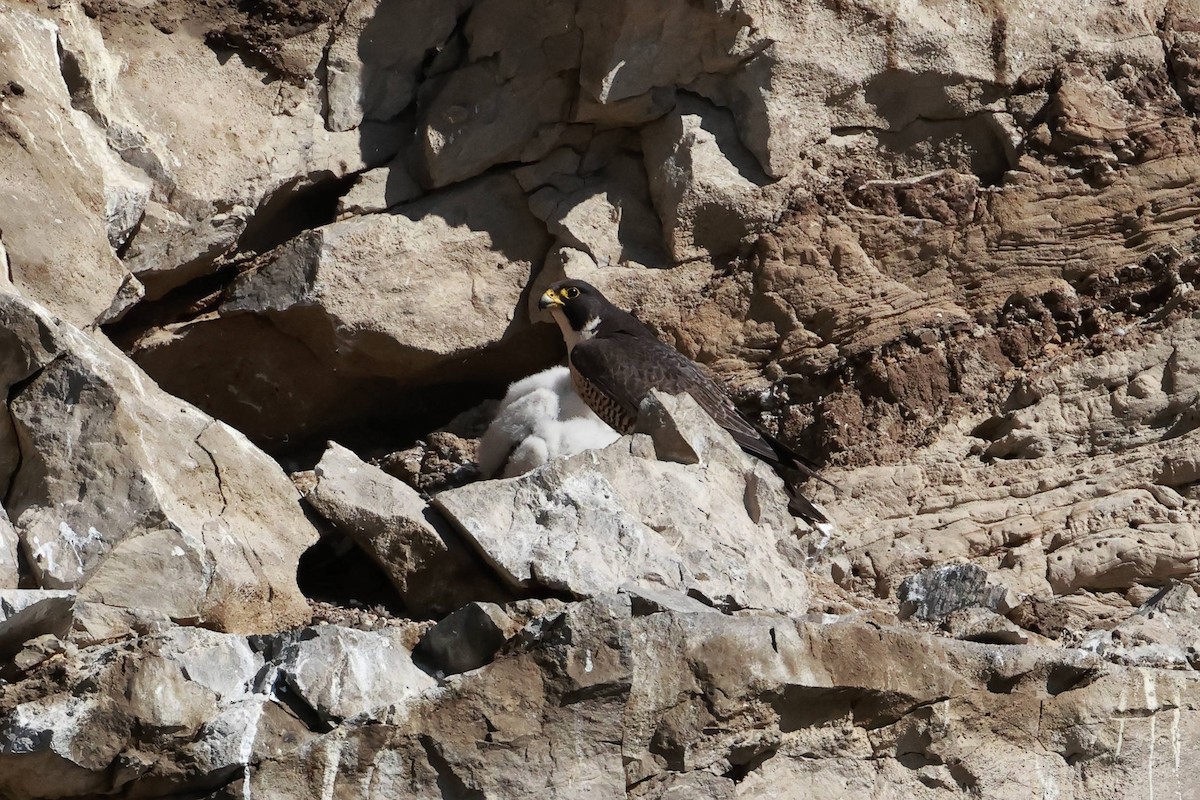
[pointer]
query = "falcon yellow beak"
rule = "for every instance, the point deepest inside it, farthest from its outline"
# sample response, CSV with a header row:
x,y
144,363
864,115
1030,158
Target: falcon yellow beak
x,y
550,299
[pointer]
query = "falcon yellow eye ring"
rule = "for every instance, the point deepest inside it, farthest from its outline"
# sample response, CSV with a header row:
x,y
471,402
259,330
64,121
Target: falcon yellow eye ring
x,y
571,292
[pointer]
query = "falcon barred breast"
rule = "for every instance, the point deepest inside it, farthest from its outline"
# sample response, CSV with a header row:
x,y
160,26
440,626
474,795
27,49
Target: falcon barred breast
x,y
615,361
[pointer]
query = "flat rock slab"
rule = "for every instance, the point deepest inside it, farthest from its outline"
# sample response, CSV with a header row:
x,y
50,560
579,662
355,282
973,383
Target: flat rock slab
x,y
26,613
342,672
594,522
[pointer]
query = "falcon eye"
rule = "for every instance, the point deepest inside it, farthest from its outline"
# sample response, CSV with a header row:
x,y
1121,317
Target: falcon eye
x,y
572,292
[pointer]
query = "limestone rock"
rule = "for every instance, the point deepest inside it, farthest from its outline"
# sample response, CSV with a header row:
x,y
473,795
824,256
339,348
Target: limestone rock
x,y
97,623
949,248
708,189
513,85
374,60
981,625
76,737
81,204
186,707
26,613
597,202
599,520
1162,633
9,572
759,704
342,673
644,600
934,593
429,565
464,640
595,696
567,687
426,297
28,342
177,513
378,190
1086,497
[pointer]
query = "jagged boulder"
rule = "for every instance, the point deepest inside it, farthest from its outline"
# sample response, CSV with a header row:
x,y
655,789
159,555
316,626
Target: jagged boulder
x,y
466,639
28,613
186,710
599,702
365,314
341,672
1164,632
433,570
716,528
136,499
81,206
937,592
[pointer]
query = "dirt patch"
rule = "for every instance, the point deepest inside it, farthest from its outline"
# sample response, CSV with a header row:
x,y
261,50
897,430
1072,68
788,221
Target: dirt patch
x,y
261,33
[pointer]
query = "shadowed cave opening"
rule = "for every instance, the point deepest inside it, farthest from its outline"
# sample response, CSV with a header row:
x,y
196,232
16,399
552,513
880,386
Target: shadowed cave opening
x,y
336,571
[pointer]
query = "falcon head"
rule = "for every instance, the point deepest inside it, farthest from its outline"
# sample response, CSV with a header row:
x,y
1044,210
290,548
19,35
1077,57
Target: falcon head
x,y
577,307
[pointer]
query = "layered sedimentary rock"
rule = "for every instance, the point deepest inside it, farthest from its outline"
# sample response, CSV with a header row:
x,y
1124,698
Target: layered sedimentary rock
x,y
949,251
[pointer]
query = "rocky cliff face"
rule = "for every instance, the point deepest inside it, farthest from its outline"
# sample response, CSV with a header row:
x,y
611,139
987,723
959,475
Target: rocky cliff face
x,y
948,249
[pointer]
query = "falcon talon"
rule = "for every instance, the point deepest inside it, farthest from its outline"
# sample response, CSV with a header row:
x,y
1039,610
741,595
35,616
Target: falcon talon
x,y
615,361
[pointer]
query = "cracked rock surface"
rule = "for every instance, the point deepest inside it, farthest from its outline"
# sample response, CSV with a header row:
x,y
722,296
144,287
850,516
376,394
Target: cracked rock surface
x,y
265,267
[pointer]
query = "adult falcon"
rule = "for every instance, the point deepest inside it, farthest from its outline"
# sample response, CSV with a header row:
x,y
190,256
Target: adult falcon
x,y
615,361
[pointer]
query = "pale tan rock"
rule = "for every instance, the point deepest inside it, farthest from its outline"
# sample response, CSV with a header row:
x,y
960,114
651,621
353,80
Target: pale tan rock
x,y
224,524
709,192
974,294
64,191
1161,633
378,190
195,688
9,568
430,294
517,85
428,563
598,202
763,705
556,725
160,692
208,174
342,673
1089,506
629,287
348,272
982,625
28,613
374,59
97,623
716,529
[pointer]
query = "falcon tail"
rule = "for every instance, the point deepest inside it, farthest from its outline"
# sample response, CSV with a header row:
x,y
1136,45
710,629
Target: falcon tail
x,y
798,504
801,506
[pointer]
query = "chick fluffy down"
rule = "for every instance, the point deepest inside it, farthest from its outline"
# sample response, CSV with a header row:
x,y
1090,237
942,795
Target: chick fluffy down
x,y
540,418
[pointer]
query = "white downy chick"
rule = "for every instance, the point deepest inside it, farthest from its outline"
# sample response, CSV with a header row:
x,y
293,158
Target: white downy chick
x,y
540,418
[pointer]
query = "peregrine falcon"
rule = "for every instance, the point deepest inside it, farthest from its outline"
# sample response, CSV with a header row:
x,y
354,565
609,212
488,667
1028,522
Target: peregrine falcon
x,y
615,361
